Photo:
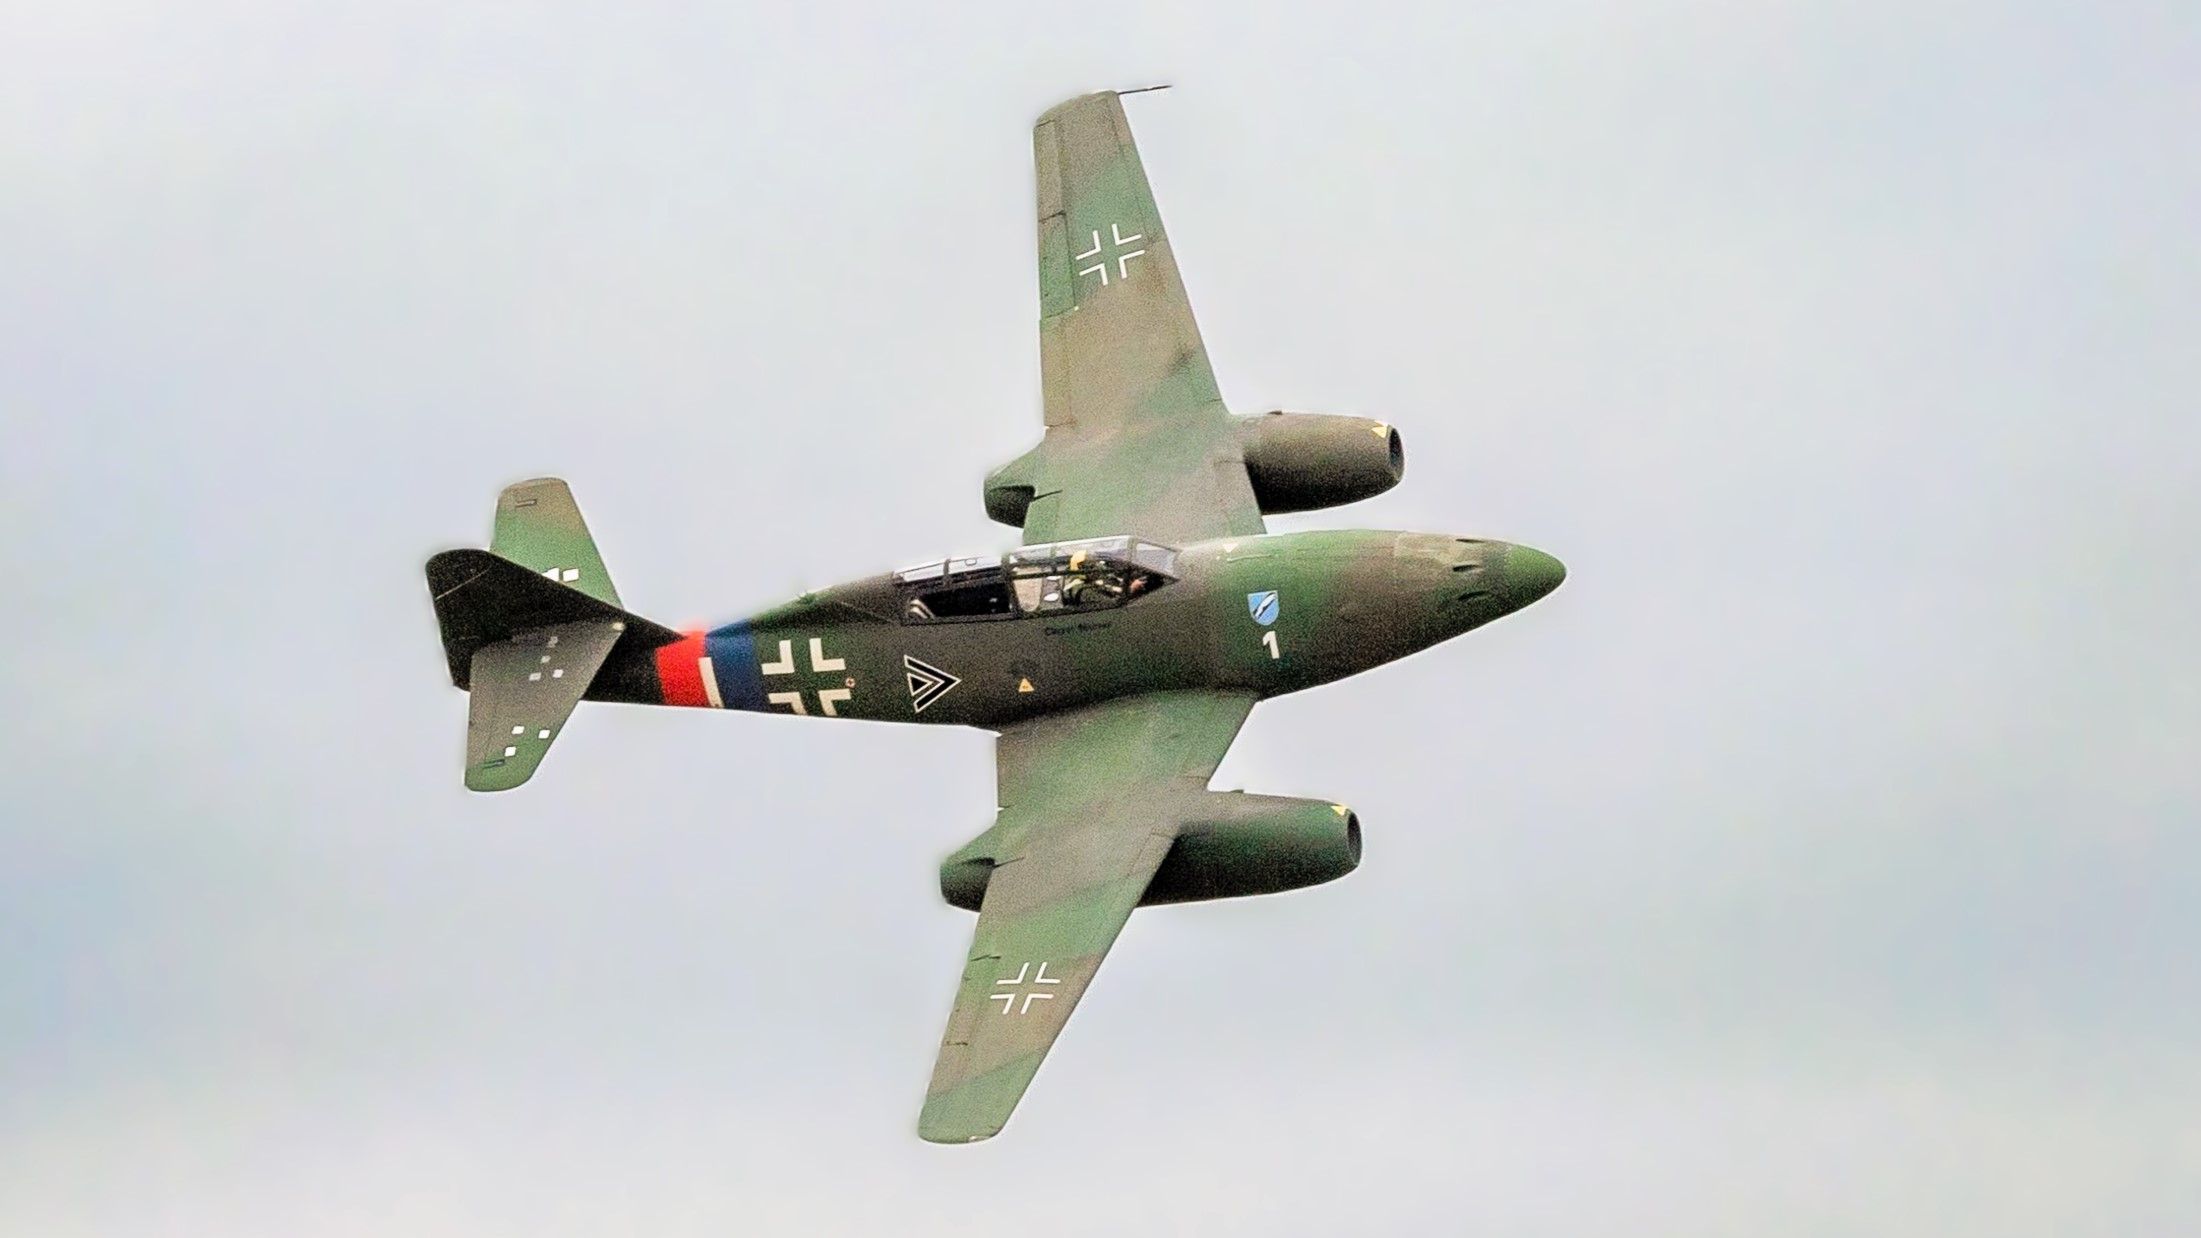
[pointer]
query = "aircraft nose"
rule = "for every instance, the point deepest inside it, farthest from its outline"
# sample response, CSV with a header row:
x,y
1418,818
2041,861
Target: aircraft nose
x,y
1528,574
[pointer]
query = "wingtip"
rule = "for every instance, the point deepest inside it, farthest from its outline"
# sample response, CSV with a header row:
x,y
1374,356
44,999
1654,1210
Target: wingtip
x,y
951,1118
496,775
1075,101
953,1134
951,1139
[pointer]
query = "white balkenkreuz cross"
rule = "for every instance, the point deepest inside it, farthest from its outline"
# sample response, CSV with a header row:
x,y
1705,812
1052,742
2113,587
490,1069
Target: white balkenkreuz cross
x,y
1122,259
1008,1000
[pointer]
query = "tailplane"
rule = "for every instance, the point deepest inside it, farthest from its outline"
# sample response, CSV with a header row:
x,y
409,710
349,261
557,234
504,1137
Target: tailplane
x,y
527,625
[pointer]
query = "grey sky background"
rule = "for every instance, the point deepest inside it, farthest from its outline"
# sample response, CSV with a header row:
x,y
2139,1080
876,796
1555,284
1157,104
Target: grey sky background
x,y
1819,860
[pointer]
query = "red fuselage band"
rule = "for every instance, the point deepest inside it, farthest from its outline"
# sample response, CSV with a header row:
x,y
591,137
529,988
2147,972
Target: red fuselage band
x,y
680,673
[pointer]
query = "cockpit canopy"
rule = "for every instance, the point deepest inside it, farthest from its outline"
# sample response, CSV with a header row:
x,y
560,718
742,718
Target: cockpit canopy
x,y
1056,578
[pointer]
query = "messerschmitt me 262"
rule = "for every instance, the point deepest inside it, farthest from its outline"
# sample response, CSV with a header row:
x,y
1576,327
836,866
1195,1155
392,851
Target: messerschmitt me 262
x,y
1116,653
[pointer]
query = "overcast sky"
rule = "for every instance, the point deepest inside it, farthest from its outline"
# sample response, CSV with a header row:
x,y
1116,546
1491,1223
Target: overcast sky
x,y
1821,859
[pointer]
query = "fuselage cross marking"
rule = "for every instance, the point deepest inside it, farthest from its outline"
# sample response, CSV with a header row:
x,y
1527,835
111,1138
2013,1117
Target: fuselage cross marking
x,y
1121,258
819,664
1008,1000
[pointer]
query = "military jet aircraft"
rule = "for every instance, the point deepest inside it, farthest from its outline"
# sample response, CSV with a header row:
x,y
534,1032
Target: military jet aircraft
x,y
1116,652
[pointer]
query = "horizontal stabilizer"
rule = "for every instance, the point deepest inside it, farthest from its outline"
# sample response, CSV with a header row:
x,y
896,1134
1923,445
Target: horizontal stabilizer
x,y
524,690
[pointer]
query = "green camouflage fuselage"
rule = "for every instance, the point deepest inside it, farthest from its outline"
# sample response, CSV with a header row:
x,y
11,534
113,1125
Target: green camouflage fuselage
x,y
1272,613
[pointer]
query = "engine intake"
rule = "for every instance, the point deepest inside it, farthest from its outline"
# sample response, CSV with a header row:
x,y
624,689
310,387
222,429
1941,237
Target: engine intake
x,y
1300,462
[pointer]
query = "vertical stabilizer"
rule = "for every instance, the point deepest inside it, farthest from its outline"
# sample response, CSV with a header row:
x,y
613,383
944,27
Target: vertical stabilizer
x,y
539,526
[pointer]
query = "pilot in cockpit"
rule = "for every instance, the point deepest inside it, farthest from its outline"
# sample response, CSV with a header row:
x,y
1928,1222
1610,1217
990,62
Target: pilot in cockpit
x,y
1091,586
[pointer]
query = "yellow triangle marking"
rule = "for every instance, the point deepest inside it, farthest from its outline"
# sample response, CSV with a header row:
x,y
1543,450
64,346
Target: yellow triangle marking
x,y
1024,685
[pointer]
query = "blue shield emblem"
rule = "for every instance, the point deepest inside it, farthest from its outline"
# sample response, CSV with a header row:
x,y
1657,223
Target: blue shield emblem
x,y
1262,606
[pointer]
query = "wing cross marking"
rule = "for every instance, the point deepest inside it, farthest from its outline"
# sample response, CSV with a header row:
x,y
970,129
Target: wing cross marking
x,y
1119,256
1008,1000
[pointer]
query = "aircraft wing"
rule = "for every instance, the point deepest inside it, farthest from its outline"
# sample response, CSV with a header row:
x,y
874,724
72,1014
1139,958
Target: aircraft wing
x,y
1091,801
1138,440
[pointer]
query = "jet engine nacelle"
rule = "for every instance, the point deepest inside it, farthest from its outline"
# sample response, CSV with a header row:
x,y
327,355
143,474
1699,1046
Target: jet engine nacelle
x,y
1257,844
1299,462
1234,845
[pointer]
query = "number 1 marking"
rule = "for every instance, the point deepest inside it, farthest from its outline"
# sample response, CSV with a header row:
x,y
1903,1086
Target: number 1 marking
x,y
1269,638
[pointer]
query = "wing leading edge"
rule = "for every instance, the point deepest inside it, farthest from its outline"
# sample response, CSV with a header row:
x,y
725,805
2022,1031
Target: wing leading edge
x,y
1091,802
